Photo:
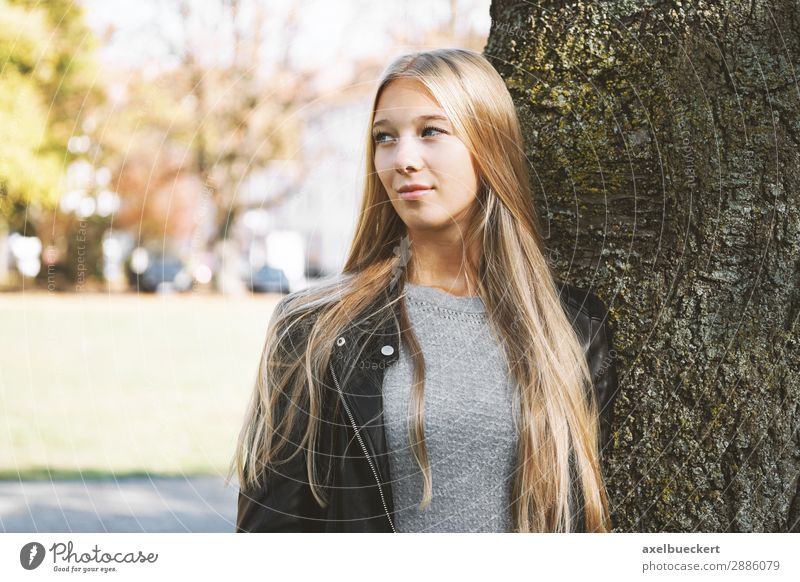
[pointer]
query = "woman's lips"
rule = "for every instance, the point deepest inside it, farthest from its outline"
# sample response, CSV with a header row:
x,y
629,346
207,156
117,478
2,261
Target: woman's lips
x,y
414,194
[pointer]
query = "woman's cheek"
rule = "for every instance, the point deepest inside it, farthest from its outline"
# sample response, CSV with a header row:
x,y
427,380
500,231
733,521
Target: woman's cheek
x,y
384,171
383,174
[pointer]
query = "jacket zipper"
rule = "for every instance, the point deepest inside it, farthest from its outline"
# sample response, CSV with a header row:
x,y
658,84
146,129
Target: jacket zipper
x,y
363,448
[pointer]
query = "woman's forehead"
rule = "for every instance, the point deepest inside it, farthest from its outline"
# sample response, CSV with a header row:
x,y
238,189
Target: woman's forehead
x,y
405,94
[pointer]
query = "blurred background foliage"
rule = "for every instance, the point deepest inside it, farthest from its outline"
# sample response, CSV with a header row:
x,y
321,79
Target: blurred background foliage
x,y
47,78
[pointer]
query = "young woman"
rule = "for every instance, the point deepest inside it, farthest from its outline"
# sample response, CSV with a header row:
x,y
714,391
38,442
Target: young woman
x,y
444,381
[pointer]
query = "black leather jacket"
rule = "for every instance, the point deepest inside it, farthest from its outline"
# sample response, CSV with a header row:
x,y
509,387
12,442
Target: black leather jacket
x,y
360,494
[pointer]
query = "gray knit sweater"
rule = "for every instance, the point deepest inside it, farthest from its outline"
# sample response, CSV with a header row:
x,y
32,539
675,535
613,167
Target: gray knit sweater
x,y
469,419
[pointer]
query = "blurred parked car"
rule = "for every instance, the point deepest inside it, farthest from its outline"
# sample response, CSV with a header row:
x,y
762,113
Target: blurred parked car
x,y
268,280
163,274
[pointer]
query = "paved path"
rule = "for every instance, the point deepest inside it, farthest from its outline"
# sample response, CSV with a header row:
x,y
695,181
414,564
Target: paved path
x,y
131,504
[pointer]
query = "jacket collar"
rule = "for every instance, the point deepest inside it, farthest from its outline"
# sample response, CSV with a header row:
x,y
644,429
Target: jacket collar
x,y
372,339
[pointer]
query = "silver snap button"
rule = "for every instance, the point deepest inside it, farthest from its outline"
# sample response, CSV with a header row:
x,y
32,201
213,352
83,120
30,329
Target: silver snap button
x,y
340,341
387,350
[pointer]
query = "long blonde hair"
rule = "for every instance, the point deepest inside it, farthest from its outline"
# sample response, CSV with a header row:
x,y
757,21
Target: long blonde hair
x,y
558,424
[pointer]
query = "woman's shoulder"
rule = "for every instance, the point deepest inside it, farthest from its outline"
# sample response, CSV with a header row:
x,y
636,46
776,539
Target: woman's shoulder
x,y
295,313
590,319
311,298
589,316
582,301
295,310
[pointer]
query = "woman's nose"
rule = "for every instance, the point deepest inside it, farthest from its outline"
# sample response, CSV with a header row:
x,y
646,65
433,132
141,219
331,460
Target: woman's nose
x,y
407,155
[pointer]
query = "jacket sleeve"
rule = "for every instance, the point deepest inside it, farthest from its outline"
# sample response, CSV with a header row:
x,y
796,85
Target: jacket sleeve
x,y
282,501
603,358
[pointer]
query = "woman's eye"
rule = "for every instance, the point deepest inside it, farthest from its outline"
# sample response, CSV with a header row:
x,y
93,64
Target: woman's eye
x,y
383,137
430,127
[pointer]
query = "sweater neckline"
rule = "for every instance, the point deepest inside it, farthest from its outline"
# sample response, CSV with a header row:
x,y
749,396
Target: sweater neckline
x,y
440,298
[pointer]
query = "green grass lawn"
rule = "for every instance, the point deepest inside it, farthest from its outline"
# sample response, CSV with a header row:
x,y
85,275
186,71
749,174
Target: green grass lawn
x,y
99,384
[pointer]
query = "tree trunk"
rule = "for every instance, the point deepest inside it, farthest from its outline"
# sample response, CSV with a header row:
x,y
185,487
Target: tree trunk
x,y
663,139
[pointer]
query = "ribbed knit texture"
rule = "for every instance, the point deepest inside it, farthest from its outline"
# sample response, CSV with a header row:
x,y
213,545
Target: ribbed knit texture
x,y
469,419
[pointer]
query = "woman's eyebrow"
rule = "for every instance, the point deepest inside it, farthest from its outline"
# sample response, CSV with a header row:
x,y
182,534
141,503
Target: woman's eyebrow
x,y
432,116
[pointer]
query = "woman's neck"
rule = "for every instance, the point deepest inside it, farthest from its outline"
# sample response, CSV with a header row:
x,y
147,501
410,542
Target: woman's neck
x,y
460,289
439,261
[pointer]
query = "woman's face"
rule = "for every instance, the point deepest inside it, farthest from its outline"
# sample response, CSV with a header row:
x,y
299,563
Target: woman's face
x,y
415,146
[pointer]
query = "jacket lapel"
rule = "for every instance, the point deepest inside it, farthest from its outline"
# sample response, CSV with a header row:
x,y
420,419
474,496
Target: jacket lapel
x,y
361,355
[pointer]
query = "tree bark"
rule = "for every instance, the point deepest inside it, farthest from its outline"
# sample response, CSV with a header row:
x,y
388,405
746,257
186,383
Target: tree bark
x,y
663,140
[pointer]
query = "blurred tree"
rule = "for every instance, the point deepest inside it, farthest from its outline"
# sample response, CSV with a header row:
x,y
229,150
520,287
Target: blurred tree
x,y
30,169
240,107
145,135
184,136
47,78
664,138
